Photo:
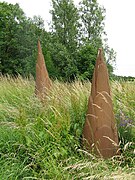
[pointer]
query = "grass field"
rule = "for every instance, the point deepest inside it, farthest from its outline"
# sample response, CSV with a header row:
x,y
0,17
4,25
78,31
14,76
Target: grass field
x,y
43,140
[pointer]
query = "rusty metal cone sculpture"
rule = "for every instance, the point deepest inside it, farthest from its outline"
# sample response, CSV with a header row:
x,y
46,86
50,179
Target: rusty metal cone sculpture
x,y
100,131
43,82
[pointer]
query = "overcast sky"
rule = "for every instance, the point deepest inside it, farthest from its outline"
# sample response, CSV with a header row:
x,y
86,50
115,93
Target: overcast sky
x,y
119,25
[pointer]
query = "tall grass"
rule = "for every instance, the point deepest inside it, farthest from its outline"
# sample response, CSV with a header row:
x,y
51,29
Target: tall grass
x,y
43,140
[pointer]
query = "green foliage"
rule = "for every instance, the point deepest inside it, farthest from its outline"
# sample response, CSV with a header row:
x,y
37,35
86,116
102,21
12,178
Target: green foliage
x,y
123,78
87,57
74,32
12,51
92,31
65,23
43,140
65,29
92,17
18,40
63,62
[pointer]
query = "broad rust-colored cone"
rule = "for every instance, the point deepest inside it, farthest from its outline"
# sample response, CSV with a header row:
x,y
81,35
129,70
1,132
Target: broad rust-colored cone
x,y
100,131
43,82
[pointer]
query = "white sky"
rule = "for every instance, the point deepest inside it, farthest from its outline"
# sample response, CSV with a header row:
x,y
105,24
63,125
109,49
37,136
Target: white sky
x,y
119,25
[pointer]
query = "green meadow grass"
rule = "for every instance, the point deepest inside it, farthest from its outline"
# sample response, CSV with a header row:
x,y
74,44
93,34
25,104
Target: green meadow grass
x,y
43,140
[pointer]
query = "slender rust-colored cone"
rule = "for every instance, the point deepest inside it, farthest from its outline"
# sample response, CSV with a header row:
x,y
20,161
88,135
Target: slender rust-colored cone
x,y
43,82
100,131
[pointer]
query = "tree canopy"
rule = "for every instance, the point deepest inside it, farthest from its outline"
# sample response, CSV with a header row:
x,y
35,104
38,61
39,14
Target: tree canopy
x,y
70,47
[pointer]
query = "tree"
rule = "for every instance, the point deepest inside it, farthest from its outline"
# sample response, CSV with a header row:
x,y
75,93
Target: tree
x,y
65,36
70,49
65,23
110,56
92,18
12,18
18,40
92,32
86,61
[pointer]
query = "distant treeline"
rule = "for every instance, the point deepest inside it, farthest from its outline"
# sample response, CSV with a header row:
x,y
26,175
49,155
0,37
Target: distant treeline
x,y
70,46
123,78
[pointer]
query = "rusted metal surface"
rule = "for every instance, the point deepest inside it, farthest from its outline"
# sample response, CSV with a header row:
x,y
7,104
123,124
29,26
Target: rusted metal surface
x,y
43,82
100,131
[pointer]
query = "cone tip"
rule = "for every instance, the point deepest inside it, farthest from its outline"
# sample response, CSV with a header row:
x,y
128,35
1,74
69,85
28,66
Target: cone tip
x,y
99,51
100,55
39,47
38,42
